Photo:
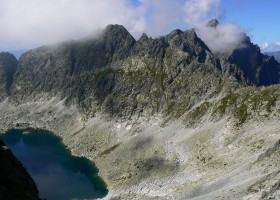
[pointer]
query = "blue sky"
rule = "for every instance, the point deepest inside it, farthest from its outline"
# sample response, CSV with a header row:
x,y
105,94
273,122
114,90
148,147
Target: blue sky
x,y
32,23
259,18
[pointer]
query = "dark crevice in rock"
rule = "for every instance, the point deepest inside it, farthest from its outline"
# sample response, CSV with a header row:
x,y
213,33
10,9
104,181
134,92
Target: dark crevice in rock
x,y
8,66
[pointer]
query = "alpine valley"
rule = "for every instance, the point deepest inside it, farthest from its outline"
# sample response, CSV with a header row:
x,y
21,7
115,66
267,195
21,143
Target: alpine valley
x,y
161,118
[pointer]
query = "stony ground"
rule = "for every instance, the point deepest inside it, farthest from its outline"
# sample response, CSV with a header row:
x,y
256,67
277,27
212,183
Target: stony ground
x,y
149,158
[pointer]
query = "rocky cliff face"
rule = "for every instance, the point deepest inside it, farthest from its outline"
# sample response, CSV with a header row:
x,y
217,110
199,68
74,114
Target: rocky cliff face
x,y
8,66
15,182
123,78
117,74
248,64
260,69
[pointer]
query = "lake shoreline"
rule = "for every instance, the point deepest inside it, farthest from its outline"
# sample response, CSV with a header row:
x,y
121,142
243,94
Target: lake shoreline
x,y
54,163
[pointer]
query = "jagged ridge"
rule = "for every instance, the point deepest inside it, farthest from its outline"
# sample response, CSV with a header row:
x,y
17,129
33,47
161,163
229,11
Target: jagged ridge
x,y
123,77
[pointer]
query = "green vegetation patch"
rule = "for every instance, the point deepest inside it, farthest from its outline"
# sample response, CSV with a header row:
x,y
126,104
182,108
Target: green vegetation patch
x,y
227,101
266,97
242,104
242,113
199,111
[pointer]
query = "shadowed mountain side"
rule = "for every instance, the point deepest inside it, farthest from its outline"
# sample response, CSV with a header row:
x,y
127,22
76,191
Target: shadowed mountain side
x,y
8,66
261,70
247,63
15,182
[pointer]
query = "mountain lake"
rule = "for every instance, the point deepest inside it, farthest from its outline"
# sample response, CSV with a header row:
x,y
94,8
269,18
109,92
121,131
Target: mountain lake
x,y
58,174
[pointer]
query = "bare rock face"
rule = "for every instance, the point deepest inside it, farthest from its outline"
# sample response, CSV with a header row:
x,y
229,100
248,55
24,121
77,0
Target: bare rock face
x,y
8,66
15,182
122,77
260,69
247,64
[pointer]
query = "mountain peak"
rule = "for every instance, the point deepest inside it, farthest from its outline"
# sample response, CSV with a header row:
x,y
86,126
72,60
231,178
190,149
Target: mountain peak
x,y
116,29
213,23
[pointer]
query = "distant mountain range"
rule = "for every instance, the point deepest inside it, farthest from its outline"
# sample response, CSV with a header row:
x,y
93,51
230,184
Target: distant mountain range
x,y
276,55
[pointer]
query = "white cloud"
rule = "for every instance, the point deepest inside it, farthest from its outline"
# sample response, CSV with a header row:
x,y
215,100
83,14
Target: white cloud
x,y
35,22
160,15
31,23
200,11
221,38
264,46
270,47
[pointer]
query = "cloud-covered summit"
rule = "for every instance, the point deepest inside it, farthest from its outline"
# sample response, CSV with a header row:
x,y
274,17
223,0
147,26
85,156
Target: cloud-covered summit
x,y
31,23
221,38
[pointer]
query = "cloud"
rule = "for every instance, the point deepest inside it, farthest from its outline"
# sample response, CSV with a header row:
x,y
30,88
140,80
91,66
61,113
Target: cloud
x,y
219,38
200,11
264,46
270,47
161,15
31,23
222,37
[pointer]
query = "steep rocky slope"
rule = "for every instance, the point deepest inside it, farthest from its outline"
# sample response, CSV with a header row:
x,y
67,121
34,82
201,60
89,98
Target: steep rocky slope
x,y
8,66
162,118
247,63
15,182
259,68
121,77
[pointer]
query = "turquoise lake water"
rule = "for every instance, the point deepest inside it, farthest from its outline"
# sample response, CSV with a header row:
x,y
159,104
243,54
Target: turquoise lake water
x,y
58,175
